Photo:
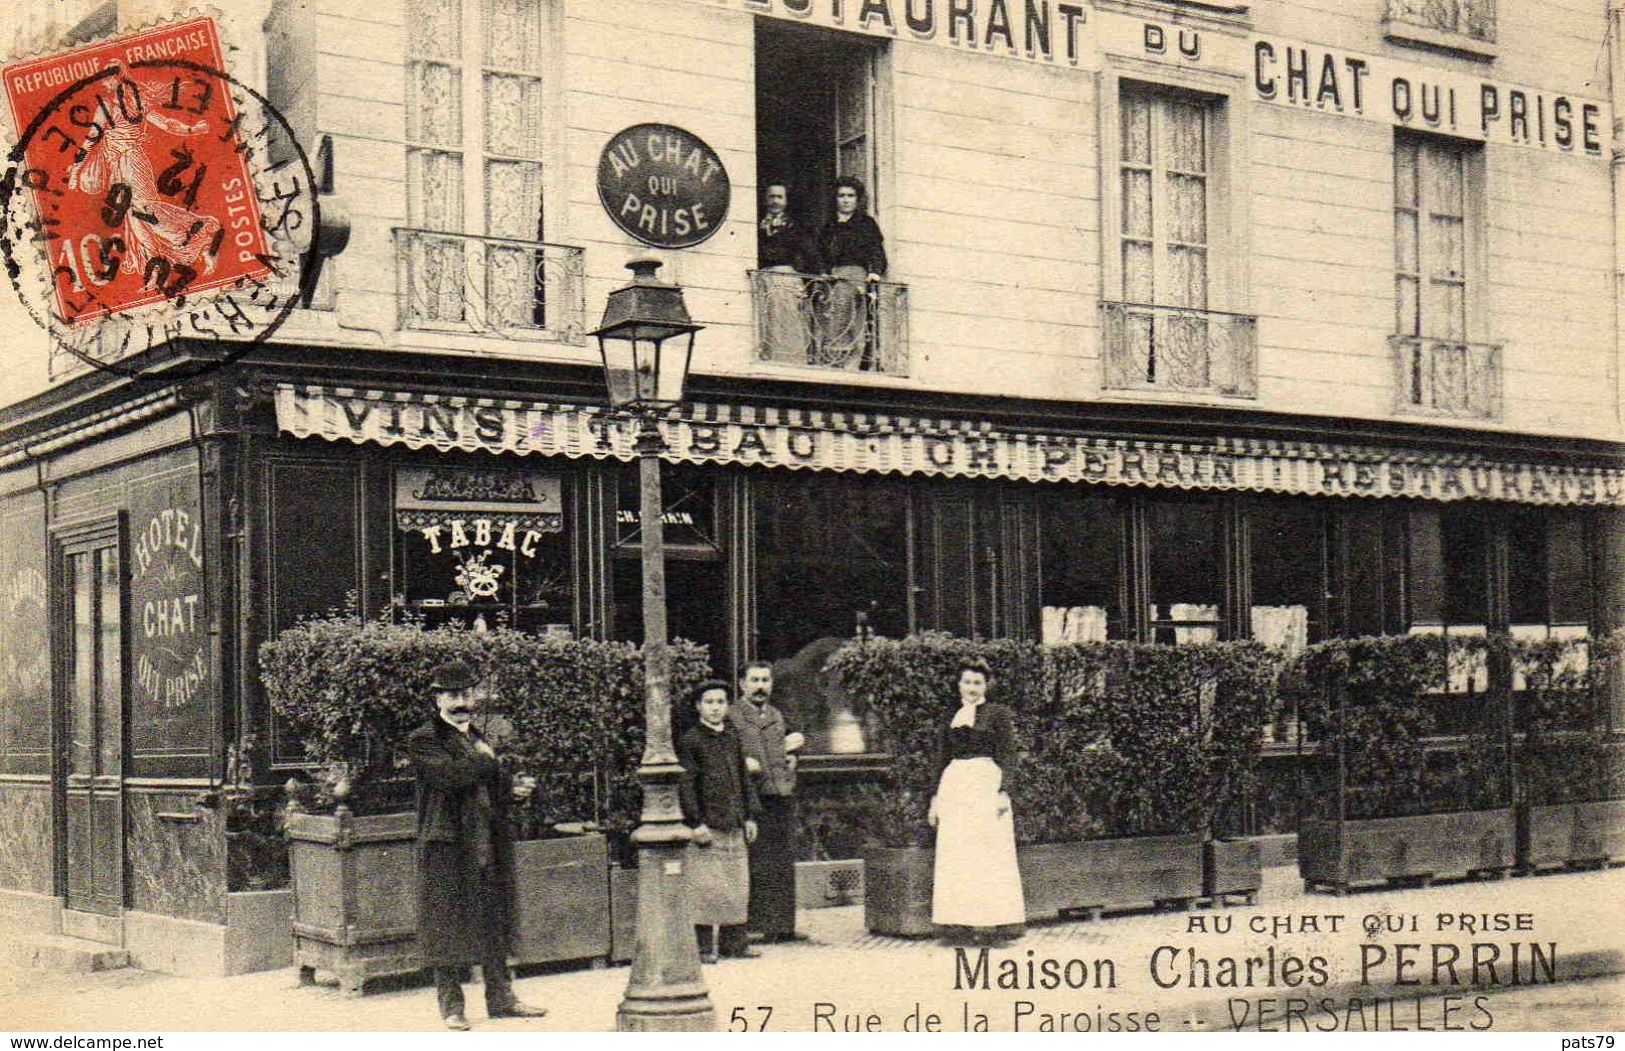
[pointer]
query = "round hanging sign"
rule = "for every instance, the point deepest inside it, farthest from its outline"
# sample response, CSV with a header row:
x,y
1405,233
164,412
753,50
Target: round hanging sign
x,y
663,185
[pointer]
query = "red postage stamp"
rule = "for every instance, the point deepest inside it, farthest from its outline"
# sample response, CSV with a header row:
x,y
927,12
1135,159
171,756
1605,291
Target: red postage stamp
x,y
132,153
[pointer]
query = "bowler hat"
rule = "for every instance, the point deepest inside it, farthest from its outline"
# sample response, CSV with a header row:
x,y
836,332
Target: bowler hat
x,y
455,675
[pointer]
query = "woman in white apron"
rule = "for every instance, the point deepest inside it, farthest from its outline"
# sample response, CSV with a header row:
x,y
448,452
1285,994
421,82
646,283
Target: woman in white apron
x,y
977,882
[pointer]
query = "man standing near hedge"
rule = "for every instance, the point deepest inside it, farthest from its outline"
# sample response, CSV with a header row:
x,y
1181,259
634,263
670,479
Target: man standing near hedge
x,y
770,749
465,850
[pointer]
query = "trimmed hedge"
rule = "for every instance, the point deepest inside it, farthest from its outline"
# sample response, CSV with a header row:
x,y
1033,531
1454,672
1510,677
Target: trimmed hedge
x,y
1391,688
567,711
1567,753
1118,738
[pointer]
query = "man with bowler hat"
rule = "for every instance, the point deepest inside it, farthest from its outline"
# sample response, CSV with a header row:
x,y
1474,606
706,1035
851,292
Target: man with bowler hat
x,y
465,851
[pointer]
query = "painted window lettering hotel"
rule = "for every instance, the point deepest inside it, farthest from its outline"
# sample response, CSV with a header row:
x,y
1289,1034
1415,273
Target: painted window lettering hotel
x,y
1283,320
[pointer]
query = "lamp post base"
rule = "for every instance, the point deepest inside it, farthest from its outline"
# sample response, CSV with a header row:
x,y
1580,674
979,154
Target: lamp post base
x,y
665,992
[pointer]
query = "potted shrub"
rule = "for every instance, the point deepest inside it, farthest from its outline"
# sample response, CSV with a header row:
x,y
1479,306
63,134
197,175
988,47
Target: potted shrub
x,y
1394,808
1130,750
352,688
1571,772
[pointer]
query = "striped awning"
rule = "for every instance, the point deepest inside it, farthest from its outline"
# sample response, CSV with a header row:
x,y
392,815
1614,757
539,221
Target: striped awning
x,y
932,447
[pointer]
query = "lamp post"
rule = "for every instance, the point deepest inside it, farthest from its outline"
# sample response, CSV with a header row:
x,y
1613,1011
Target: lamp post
x,y
646,340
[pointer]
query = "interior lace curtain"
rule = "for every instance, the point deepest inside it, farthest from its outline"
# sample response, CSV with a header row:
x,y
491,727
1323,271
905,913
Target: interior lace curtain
x,y
1164,228
453,279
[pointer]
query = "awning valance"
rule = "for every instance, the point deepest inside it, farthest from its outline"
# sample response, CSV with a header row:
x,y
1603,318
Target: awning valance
x,y
913,445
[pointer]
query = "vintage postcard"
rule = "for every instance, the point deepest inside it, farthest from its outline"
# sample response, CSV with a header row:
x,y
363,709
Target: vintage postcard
x,y
775,516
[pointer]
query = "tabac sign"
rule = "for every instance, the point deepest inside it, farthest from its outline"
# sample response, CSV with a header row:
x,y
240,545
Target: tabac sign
x,y
663,185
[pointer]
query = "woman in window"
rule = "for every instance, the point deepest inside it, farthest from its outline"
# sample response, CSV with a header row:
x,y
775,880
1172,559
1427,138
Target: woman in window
x,y
977,882
854,252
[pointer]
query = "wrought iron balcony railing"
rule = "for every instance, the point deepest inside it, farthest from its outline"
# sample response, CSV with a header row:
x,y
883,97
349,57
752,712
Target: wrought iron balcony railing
x,y
1149,347
1446,377
1469,18
466,282
830,322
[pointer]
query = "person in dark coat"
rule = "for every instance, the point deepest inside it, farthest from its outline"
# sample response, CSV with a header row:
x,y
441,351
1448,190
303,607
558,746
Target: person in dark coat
x,y
719,802
854,253
770,756
464,851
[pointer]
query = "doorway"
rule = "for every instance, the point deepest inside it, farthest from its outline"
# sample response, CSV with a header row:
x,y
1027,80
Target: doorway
x,y
89,627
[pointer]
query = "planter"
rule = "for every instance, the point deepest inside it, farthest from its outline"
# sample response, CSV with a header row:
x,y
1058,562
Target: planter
x,y
1232,867
1096,874
561,904
897,891
623,914
829,884
355,886
1422,847
354,895
1571,834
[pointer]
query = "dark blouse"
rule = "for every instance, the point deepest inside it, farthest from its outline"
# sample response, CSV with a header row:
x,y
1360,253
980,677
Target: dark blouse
x,y
856,242
993,735
715,790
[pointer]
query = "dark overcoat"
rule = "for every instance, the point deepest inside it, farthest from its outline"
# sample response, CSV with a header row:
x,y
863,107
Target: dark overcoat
x,y
464,847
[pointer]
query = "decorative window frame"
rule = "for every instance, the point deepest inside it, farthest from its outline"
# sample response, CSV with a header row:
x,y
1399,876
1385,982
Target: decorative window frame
x,y
1408,33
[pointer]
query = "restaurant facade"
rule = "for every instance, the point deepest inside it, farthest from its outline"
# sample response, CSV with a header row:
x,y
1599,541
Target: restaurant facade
x,y
1203,321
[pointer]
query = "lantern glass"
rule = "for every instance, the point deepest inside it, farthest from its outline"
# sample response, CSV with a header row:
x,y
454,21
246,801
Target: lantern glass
x,y
646,366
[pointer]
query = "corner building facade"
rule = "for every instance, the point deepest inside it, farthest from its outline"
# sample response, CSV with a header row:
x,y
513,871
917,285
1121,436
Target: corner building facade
x,y
1203,321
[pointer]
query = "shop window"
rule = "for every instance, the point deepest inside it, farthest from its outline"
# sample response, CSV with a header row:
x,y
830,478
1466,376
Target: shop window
x,y
1549,579
1184,552
1448,592
1287,546
832,559
696,572
1080,569
483,548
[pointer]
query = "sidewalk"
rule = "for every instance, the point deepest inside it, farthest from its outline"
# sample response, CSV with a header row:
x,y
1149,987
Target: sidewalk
x,y
863,974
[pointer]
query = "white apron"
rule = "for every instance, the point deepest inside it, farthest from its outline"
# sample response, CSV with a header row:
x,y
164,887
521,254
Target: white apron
x,y
977,882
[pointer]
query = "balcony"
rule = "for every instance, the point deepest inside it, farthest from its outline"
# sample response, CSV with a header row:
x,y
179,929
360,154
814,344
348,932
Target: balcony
x,y
1179,349
490,285
829,323
1449,378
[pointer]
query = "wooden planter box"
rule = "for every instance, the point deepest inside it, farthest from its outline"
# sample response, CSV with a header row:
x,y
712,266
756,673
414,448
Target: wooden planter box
x,y
1086,876
1572,834
1091,875
623,914
1232,867
561,906
1423,846
897,891
355,887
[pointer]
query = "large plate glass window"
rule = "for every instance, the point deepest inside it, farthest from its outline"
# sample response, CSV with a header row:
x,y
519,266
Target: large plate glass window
x,y
483,548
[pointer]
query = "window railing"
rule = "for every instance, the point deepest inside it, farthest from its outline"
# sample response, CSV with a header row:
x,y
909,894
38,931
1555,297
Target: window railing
x,y
1446,377
1469,18
1149,347
831,322
471,283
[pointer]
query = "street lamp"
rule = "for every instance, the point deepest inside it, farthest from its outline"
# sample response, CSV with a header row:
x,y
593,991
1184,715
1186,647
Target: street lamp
x,y
646,340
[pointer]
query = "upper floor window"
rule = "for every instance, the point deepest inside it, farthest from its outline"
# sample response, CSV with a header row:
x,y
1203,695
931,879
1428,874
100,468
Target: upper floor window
x,y
1443,367
474,116
1164,332
472,256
